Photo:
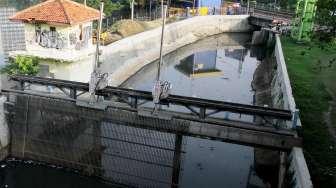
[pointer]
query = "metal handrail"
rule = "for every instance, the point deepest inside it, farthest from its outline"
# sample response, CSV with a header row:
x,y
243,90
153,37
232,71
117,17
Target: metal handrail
x,y
136,95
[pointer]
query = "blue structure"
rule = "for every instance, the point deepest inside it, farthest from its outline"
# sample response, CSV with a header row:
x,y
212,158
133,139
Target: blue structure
x,y
209,3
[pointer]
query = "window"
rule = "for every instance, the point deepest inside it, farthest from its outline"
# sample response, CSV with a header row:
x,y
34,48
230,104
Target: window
x,y
37,33
81,32
53,31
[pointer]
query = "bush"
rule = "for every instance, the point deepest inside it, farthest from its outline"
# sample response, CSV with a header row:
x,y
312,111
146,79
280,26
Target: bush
x,y
23,65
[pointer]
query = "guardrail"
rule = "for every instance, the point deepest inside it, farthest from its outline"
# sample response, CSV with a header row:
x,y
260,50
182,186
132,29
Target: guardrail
x,y
132,98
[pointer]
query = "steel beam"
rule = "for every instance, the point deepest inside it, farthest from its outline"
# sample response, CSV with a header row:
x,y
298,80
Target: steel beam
x,y
204,104
228,131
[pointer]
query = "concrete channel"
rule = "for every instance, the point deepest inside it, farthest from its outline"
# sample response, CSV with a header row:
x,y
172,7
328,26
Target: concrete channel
x,y
126,57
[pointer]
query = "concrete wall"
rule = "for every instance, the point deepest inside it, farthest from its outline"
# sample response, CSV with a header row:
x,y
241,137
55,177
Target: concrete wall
x,y
282,94
125,57
4,131
299,170
79,71
68,37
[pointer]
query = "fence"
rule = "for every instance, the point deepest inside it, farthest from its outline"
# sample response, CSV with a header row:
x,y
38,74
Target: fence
x,y
59,132
140,15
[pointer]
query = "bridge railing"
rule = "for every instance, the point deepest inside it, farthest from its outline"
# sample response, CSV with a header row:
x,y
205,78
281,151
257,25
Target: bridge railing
x,y
186,107
132,97
126,106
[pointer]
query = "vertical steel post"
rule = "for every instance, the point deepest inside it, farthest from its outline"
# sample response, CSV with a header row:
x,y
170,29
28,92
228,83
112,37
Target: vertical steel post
x,y
177,160
73,93
164,11
202,112
295,118
96,63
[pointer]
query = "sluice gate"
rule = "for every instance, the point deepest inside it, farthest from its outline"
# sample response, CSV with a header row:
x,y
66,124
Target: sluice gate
x,y
124,143
58,132
199,117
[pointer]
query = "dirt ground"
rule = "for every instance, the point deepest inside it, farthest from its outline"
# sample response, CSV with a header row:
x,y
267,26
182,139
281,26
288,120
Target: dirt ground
x,y
125,28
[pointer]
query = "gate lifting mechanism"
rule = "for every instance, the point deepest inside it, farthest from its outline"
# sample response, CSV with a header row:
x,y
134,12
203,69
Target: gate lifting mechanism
x,y
161,89
98,80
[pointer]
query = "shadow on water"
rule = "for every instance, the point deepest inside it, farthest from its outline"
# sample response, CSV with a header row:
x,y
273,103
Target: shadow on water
x,y
20,174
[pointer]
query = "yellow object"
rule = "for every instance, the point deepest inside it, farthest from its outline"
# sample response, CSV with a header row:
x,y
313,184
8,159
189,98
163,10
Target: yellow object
x,y
203,11
104,36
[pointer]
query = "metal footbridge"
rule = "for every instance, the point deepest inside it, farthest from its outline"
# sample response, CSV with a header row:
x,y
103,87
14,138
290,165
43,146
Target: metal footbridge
x,y
178,114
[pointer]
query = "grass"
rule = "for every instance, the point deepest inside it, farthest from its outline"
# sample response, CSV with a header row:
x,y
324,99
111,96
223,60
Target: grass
x,y
312,71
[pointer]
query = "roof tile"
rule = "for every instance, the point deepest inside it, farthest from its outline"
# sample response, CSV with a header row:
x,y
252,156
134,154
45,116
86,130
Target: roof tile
x,y
57,12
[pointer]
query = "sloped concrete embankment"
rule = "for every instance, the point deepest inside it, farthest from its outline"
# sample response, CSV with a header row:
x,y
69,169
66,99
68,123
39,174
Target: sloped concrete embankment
x,y
125,57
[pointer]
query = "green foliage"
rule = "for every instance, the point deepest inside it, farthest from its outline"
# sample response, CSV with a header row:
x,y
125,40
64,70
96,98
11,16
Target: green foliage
x,y
23,65
326,16
109,5
312,78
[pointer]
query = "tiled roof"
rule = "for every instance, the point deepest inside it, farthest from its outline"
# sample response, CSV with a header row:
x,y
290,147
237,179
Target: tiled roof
x,y
57,12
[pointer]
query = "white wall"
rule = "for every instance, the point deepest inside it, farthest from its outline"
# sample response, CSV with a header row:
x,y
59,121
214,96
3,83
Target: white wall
x,y
68,34
79,71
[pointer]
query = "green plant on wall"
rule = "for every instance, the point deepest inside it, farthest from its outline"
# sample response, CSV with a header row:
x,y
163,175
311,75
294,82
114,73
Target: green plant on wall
x,y
24,65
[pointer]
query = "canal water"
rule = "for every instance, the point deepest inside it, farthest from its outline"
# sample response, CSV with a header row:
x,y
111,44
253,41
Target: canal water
x,y
221,68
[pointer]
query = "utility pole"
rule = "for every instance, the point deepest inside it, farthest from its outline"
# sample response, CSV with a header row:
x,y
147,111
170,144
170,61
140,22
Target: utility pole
x,y
164,13
132,10
150,9
96,64
194,2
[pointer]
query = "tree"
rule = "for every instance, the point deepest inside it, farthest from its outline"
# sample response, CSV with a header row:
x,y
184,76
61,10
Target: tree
x,y
109,5
23,65
326,16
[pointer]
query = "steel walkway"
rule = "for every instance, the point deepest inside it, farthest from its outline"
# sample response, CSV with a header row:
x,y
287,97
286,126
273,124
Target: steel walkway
x,y
127,107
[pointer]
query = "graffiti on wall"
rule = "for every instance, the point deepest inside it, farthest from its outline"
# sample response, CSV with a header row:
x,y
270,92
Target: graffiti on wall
x,y
50,39
82,40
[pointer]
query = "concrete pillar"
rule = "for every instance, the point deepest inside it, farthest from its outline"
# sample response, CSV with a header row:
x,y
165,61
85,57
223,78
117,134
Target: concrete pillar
x,y
4,132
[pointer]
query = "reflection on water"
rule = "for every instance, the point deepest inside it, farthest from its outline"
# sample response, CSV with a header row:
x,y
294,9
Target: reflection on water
x,y
217,68
196,65
220,72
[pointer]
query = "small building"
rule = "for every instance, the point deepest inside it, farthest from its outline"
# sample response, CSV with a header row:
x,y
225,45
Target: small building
x,y
60,30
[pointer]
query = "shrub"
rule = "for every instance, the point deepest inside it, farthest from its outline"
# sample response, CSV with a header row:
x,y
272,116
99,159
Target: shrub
x,y
23,65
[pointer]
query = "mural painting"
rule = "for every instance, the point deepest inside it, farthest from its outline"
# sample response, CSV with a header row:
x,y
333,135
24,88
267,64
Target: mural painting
x,y
50,39
81,41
